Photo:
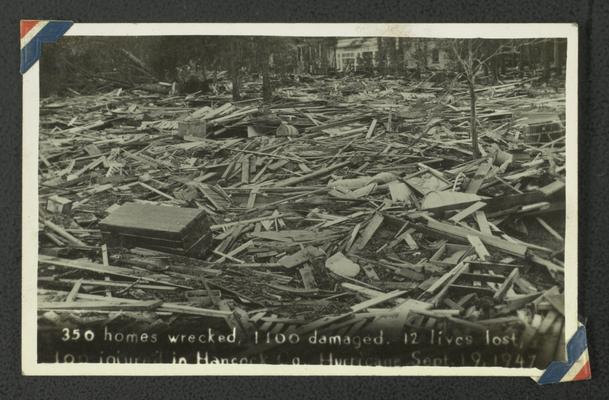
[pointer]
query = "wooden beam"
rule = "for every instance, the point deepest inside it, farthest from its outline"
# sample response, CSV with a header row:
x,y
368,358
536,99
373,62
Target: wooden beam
x,y
506,285
479,247
369,231
467,211
371,129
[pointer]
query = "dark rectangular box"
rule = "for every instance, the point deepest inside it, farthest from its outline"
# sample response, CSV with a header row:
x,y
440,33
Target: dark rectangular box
x,y
184,231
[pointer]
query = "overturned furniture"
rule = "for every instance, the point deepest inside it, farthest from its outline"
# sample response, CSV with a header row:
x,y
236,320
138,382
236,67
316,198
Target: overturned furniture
x,y
176,230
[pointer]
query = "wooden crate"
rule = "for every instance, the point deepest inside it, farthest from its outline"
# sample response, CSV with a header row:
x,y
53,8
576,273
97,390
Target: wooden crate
x,y
176,230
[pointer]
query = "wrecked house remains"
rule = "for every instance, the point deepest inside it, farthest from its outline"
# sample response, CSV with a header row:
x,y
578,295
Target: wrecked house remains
x,y
312,197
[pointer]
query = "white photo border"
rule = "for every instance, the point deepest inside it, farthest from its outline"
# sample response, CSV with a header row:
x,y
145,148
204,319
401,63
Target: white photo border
x,y
30,135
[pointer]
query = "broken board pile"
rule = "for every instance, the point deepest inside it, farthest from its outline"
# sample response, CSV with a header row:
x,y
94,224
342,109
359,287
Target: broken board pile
x,y
367,213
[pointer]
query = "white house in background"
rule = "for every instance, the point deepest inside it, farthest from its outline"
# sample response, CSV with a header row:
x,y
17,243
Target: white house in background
x,y
351,51
348,50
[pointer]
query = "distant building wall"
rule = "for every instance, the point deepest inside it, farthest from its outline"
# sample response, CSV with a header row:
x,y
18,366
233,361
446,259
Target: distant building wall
x,y
436,57
316,56
351,51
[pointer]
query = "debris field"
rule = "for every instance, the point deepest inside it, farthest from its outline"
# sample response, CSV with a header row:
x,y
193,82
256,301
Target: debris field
x,y
345,206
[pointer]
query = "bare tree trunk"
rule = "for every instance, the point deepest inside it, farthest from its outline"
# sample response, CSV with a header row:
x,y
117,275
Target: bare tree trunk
x,y
546,61
417,54
521,61
425,53
381,56
235,70
557,63
472,120
495,70
471,83
267,90
392,60
400,57
236,80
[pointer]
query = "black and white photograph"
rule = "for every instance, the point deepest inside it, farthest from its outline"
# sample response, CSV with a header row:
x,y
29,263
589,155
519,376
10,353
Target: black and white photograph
x,y
391,200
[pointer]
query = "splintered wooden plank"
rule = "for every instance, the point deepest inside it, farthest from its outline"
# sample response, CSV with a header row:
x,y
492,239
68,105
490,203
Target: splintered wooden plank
x,y
557,301
409,273
550,230
552,188
99,268
341,265
466,299
308,280
236,251
251,200
479,247
371,129
293,236
190,310
530,328
314,174
355,328
378,300
256,317
410,240
452,305
245,170
155,190
516,249
300,257
549,343
450,280
241,321
370,272
478,179
72,295
224,256
367,292
317,324
482,222
290,289
63,233
547,322
353,236
467,324
104,251
108,283
92,150
267,324
506,285
110,305
369,231
467,211
304,168
400,193
216,199
447,278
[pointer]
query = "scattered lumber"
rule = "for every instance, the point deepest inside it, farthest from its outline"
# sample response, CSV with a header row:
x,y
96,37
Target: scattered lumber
x,y
344,205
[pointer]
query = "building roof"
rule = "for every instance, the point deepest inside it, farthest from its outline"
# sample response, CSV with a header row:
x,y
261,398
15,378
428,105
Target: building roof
x,y
344,43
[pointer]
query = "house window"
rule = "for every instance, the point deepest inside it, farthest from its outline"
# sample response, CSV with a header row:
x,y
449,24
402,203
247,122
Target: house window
x,y
435,56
